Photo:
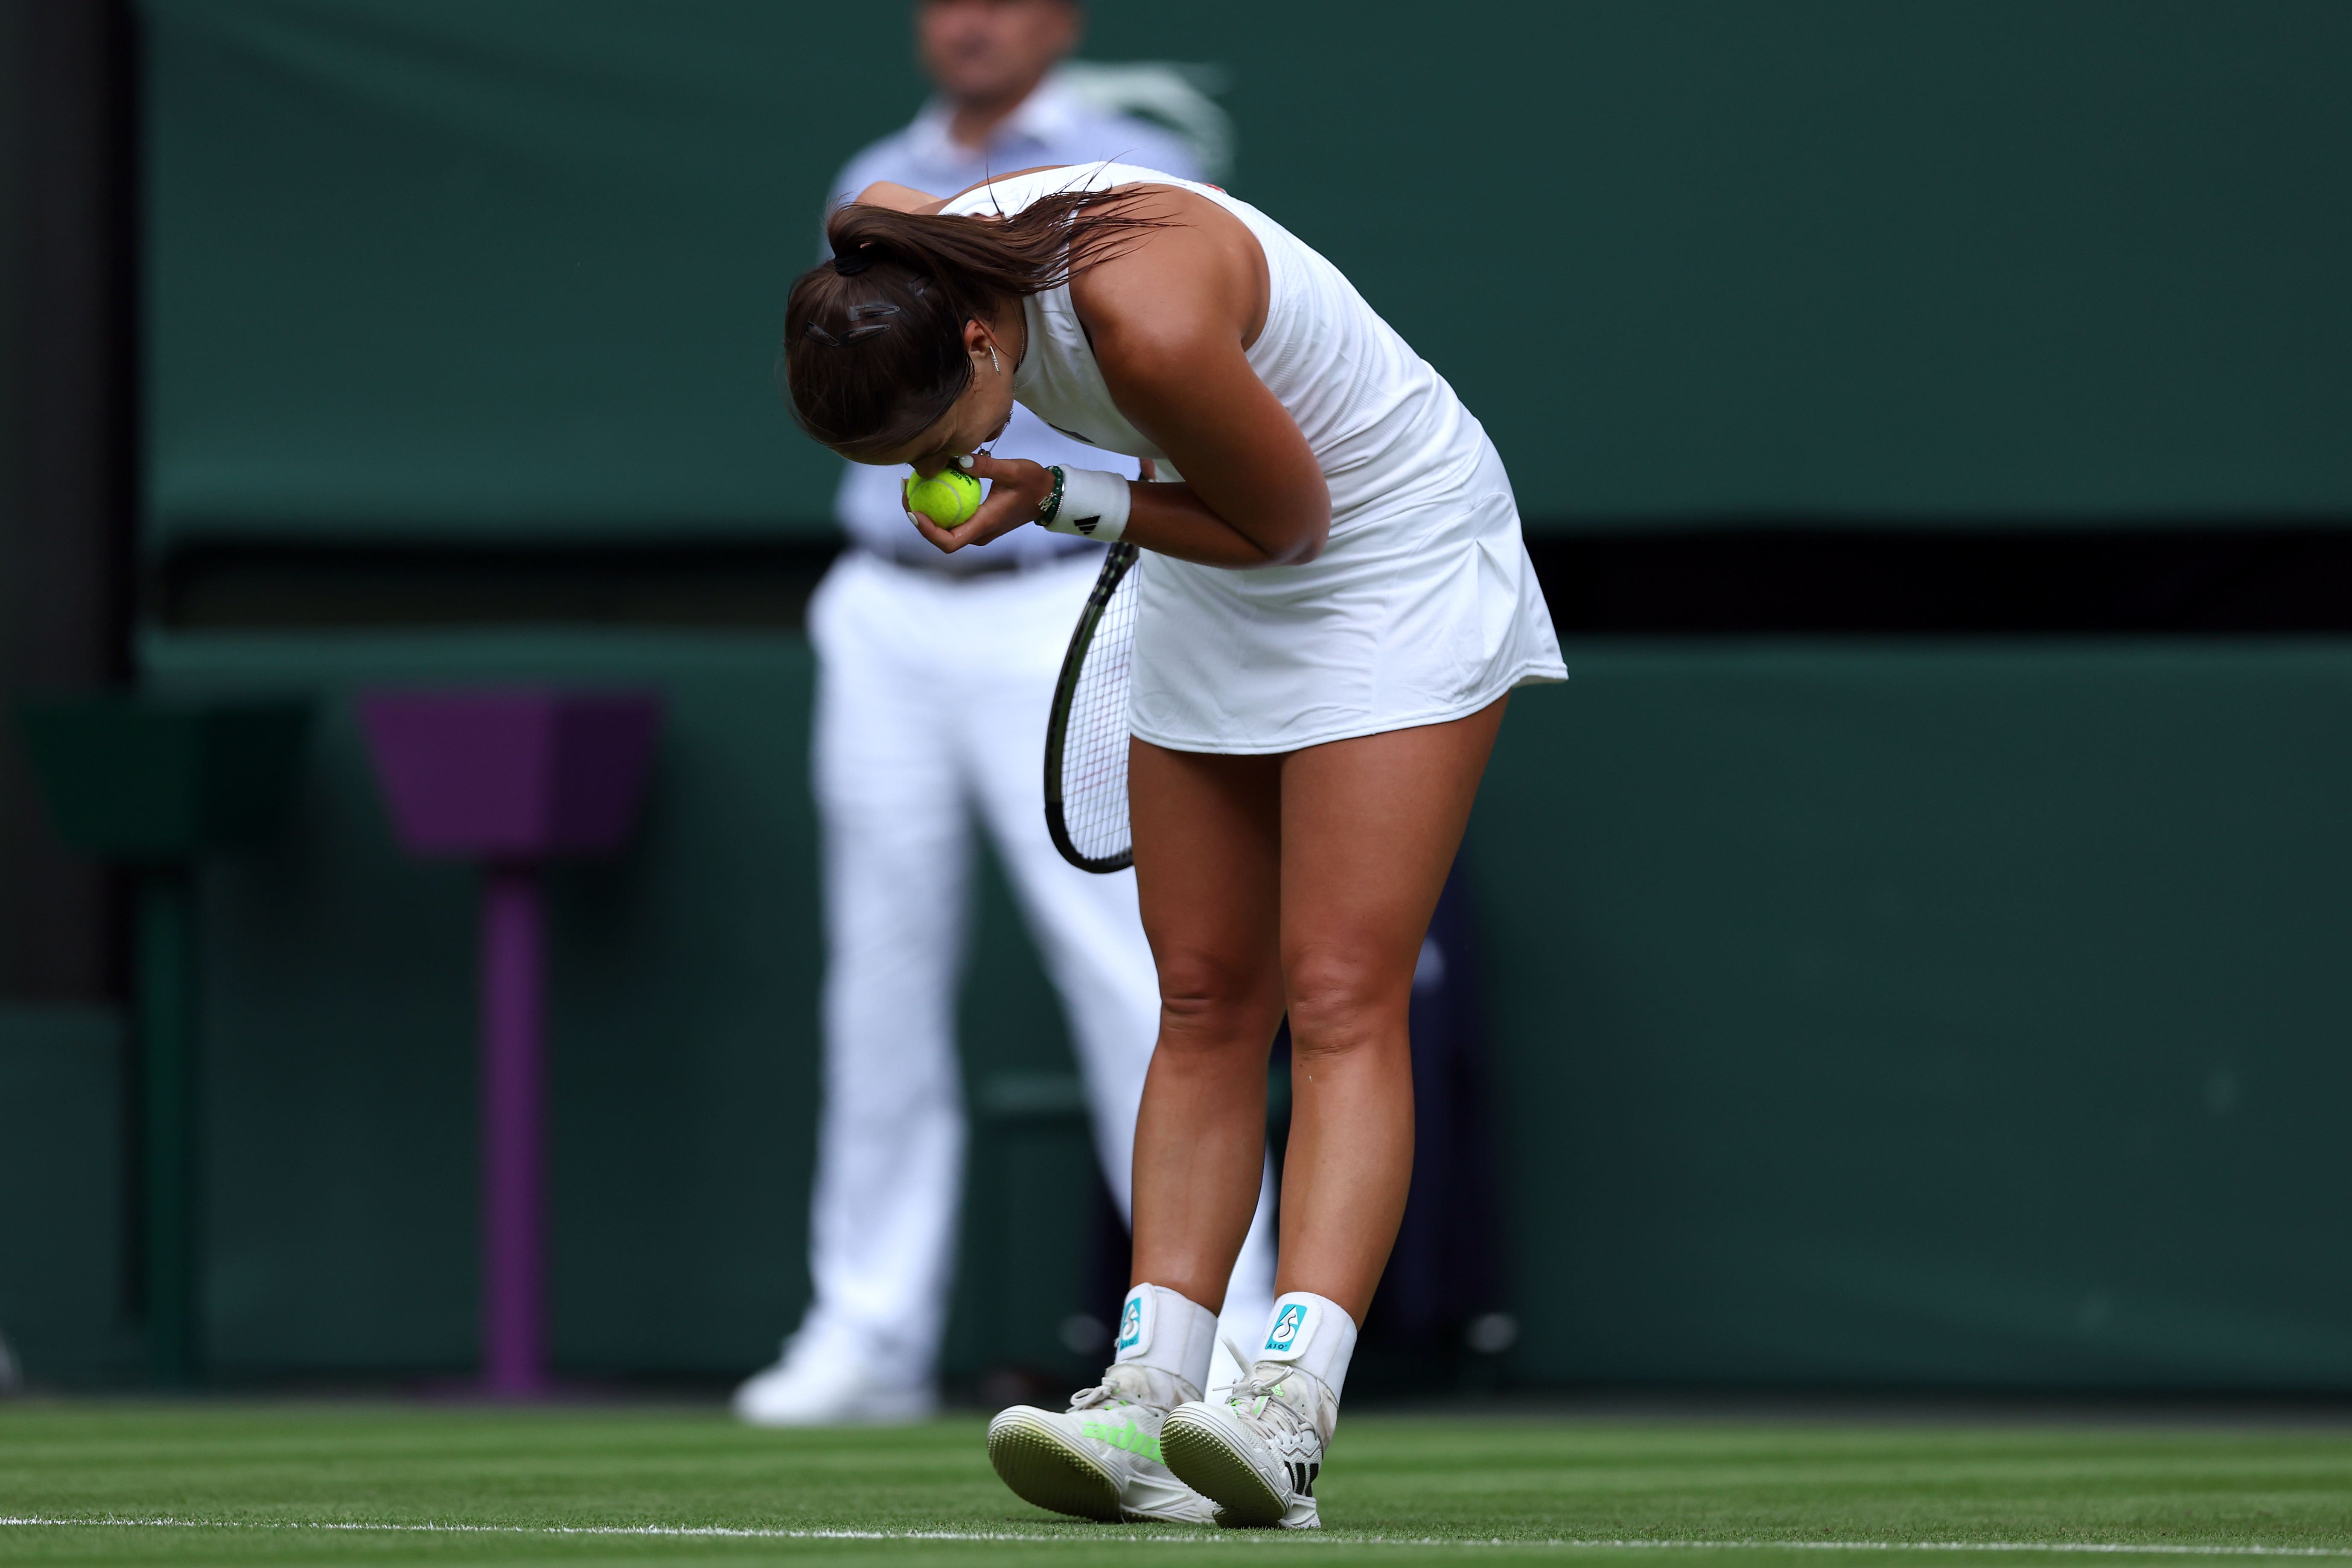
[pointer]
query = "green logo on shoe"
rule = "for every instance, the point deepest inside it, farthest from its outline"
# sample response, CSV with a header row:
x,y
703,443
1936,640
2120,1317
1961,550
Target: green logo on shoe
x,y
1130,1436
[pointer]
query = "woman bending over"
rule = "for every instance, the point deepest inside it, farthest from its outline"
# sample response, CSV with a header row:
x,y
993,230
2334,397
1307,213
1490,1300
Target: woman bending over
x,y
1333,605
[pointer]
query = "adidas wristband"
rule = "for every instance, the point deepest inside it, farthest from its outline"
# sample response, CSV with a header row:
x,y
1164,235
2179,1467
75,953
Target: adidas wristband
x,y
1093,505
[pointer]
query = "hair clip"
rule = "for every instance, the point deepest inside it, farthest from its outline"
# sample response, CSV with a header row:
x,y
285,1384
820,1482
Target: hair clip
x,y
865,325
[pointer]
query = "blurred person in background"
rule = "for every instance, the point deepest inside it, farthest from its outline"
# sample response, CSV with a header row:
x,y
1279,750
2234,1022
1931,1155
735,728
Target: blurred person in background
x,y
935,675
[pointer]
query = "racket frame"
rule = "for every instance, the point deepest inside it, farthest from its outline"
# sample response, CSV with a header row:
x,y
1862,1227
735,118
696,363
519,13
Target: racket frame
x,y
1115,568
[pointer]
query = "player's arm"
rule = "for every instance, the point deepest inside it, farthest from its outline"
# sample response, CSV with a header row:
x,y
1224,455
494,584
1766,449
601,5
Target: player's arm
x,y
1171,323
901,199
897,198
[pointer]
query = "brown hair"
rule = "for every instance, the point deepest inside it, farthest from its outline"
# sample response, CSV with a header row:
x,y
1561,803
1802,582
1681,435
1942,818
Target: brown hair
x,y
874,347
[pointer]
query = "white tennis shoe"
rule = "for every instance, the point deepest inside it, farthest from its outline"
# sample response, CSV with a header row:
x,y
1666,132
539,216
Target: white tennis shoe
x,y
822,1381
1100,1458
1255,1450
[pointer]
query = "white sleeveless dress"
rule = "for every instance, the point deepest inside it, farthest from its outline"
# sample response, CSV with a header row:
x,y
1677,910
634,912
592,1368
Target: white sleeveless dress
x,y
1422,607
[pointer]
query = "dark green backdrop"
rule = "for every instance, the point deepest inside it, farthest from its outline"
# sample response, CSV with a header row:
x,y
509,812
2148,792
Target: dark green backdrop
x,y
458,267
1961,1013
339,1019
62,1286
1949,1015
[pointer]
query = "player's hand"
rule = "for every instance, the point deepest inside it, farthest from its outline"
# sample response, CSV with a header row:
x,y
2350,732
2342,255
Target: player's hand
x,y
1016,489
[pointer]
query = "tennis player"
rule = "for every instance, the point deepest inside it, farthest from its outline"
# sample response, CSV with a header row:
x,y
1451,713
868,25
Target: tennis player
x,y
934,674
1333,605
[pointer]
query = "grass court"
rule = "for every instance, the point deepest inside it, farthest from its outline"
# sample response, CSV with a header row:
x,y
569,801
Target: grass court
x,y
286,1483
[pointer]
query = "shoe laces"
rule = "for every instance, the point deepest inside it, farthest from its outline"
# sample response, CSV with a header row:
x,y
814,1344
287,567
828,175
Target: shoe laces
x,y
1128,1385
1262,1397
1098,1397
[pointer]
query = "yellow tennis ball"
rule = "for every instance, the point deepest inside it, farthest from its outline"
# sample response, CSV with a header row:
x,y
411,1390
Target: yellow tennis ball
x,y
947,498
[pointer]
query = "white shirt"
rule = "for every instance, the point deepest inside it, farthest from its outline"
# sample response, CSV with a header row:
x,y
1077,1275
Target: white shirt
x,y
1051,127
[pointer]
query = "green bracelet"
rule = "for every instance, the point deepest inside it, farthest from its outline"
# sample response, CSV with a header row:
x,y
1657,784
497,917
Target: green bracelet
x,y
1053,507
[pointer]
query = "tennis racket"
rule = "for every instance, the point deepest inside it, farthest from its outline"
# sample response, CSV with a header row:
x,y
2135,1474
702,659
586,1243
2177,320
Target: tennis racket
x,y
1087,735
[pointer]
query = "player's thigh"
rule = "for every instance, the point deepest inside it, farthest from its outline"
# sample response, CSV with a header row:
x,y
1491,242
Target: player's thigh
x,y
1208,855
1369,827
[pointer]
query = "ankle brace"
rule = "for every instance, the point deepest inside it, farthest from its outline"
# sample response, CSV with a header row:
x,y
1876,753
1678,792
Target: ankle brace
x,y
1313,1333
1165,1332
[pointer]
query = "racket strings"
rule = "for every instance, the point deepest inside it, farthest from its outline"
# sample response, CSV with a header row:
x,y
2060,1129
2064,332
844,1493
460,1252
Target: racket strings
x,y
1094,751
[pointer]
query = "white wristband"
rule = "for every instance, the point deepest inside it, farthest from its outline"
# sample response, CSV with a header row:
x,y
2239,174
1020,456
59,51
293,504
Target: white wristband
x,y
1094,505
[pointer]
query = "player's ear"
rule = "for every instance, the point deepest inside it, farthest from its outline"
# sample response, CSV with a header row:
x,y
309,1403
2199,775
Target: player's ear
x,y
980,341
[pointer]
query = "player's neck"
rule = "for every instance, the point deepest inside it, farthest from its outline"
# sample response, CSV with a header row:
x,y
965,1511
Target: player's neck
x,y
1011,325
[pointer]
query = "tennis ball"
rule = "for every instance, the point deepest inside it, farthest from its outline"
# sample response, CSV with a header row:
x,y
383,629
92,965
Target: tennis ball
x,y
947,498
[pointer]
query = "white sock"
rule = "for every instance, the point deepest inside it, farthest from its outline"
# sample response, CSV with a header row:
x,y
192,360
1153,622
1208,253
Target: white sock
x,y
1165,1332
1313,1333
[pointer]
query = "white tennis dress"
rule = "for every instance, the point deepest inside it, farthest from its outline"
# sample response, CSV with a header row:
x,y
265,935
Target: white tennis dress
x,y
1422,607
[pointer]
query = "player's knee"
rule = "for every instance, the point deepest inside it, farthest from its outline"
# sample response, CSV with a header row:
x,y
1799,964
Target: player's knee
x,y
1339,1003
1209,1002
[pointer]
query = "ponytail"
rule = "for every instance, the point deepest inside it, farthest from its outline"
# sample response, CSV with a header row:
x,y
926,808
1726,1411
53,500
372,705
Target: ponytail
x,y
874,347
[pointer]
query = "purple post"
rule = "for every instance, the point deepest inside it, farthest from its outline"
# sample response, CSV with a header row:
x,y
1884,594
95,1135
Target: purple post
x,y
511,779
513,1134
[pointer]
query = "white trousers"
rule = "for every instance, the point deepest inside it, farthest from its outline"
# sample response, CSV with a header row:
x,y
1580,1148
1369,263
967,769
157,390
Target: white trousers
x,y
931,705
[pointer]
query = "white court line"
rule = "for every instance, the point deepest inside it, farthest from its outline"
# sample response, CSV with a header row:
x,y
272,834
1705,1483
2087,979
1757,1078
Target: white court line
x,y
731,1532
